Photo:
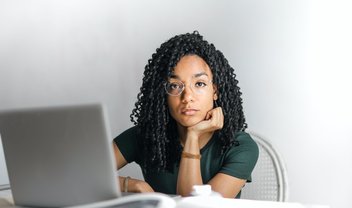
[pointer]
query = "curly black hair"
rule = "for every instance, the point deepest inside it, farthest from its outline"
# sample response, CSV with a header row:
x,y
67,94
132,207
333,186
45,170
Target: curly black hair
x,y
160,143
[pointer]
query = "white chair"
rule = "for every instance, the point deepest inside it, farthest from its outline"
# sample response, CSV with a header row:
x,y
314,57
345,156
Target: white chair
x,y
269,177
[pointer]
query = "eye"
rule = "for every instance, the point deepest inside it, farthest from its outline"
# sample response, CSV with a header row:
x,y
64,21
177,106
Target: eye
x,y
200,84
174,86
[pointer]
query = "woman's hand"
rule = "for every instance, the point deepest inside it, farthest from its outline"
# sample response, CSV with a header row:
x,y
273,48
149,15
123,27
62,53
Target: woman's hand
x,y
135,185
214,120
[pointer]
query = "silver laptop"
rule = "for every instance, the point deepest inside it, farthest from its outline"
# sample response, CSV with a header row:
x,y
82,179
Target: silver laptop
x,y
62,156
59,156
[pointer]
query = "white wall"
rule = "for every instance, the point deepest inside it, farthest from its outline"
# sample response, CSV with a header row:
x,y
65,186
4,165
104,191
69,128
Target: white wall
x,y
292,60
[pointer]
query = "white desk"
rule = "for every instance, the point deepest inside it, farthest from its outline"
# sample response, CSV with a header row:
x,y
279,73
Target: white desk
x,y
213,202
201,202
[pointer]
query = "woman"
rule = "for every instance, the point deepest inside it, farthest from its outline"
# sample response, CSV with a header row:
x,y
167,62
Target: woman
x,y
189,123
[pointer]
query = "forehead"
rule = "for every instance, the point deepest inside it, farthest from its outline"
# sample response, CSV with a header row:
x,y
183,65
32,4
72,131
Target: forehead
x,y
191,66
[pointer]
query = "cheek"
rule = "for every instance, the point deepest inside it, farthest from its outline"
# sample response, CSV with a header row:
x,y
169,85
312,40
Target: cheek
x,y
208,102
172,103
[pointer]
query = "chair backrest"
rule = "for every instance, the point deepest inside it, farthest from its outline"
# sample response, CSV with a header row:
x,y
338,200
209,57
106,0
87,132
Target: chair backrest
x,y
269,177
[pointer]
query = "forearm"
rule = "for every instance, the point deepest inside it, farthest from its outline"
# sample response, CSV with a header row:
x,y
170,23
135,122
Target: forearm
x,y
189,172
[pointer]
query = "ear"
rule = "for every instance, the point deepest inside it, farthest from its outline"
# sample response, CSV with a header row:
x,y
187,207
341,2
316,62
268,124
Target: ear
x,y
215,96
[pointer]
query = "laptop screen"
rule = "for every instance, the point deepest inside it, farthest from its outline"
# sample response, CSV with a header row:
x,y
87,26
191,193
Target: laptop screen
x,y
59,156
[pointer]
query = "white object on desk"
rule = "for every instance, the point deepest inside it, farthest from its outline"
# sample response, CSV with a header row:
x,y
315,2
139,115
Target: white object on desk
x,y
152,200
216,202
204,190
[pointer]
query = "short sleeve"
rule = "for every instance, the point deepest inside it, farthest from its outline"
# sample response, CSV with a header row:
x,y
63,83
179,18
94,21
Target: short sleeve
x,y
240,160
127,142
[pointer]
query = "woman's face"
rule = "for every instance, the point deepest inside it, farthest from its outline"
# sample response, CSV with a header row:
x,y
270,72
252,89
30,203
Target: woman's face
x,y
192,104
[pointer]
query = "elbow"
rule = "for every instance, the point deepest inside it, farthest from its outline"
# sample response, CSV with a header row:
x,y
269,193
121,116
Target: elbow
x,y
184,193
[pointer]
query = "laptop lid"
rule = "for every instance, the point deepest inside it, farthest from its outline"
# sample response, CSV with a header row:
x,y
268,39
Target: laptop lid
x,y
59,156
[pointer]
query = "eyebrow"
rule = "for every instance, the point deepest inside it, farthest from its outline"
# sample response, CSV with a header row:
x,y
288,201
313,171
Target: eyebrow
x,y
174,76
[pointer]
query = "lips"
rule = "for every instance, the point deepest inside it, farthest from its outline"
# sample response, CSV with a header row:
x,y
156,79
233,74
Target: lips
x,y
189,111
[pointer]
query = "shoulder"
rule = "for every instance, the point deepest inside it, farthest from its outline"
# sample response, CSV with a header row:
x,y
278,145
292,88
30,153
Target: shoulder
x,y
247,148
239,160
128,134
245,140
128,143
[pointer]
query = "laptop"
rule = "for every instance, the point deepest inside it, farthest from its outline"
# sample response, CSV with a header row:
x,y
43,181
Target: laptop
x,y
62,156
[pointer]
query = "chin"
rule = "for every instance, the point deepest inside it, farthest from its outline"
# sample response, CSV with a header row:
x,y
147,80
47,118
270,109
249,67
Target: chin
x,y
189,122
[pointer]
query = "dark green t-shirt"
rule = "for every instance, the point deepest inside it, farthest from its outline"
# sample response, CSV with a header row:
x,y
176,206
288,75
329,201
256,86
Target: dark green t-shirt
x,y
237,161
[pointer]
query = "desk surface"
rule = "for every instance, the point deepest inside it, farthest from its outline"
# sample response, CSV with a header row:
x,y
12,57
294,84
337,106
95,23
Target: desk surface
x,y
201,202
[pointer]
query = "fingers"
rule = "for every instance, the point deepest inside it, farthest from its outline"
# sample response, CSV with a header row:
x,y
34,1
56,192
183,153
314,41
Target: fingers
x,y
213,120
216,117
208,116
140,186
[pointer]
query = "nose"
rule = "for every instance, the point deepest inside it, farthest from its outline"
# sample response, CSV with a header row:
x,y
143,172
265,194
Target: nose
x,y
187,94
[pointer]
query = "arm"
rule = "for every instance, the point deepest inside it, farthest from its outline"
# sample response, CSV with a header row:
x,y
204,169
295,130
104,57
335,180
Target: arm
x,y
237,167
134,185
190,173
228,186
119,158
